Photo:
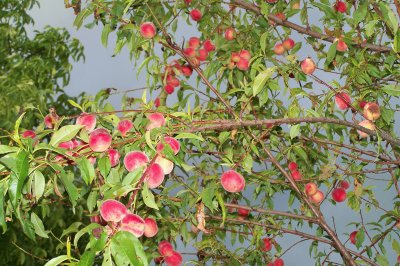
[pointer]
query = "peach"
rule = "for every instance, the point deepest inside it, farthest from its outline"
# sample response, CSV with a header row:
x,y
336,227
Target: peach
x,y
175,259
339,194
165,248
187,70
150,227
318,197
87,120
29,134
308,66
341,45
168,89
279,262
230,34
148,30
173,81
267,244
188,1
98,220
133,224
342,100
92,159
100,140
244,54
66,145
232,181
279,15
292,166
155,175
49,121
196,14
156,120
173,143
362,104
134,160
296,175
157,101
367,124
243,212
194,42
166,165
208,45
271,1
296,5
288,43
353,237
114,156
202,55
279,49
243,64
372,111
113,211
235,57
344,184
124,126
340,7
158,260
189,52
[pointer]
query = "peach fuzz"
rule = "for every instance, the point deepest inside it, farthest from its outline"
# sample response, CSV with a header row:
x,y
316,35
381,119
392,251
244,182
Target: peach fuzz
x,y
342,100
368,125
87,120
133,224
134,160
171,142
165,248
156,120
155,175
29,134
100,140
113,211
114,156
166,165
150,227
339,194
196,14
308,66
148,30
372,111
124,126
232,181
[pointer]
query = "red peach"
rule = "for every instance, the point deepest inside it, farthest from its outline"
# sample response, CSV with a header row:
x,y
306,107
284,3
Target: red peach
x,y
362,104
133,224
340,7
271,1
29,134
244,54
100,140
202,55
189,52
124,126
175,259
296,175
311,189
155,175
188,1
114,156
341,45
66,145
166,165
196,14
372,111
308,66
279,49
267,244
173,81
156,120
158,260
148,30
113,211
208,45
279,262
230,34
353,237
342,100
288,43
232,181
344,184
157,100
187,70
292,166
92,159
279,15
165,248
235,57
168,89
98,220
48,121
367,124
194,42
318,197
150,227
173,143
87,120
134,160
339,194
243,64
243,212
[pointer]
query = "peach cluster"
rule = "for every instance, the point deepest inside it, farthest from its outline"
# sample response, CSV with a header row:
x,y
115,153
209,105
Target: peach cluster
x,y
168,255
294,171
197,51
315,195
371,112
240,59
286,45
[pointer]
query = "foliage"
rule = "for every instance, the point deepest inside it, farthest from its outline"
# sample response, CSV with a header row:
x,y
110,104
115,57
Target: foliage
x,y
226,117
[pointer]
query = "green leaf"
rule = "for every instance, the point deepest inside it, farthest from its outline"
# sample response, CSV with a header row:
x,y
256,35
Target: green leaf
x,y
87,258
261,79
223,207
382,260
188,136
18,177
39,184
207,196
65,133
81,16
7,149
389,17
148,197
57,260
294,131
104,34
38,225
86,169
126,249
86,229
2,216
392,89
74,104
331,53
247,163
360,12
91,200
68,184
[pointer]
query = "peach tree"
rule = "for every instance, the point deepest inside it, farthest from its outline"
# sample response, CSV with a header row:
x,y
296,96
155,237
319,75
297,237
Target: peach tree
x,y
248,104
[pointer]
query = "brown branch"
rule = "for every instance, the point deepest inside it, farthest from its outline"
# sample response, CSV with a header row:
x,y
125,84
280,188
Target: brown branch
x,y
303,30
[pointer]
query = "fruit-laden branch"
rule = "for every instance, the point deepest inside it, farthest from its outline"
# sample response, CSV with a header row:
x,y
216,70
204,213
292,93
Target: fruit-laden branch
x,y
229,125
303,30
292,232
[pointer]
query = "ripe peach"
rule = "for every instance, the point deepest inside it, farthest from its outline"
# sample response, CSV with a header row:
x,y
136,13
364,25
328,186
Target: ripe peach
x,y
279,15
267,244
148,30
279,49
155,175
150,227
196,14
166,165
202,55
367,124
134,224
339,194
288,43
243,212
318,197
113,211
243,64
156,120
100,140
344,184
279,262
341,45
308,66
114,156
165,248
362,104
173,81
271,1
66,145
134,160
208,45
48,121
342,100
232,181
173,143
168,89
189,52
292,166
29,134
188,1
353,237
175,259
124,126
235,57
244,54
87,120
194,42
157,100
92,159
296,175
187,70
98,220
372,111
230,34
340,7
